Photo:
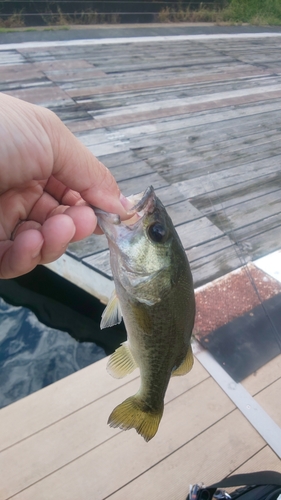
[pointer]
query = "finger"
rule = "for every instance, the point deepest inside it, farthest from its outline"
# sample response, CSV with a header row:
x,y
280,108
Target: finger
x,y
43,208
57,232
77,168
21,255
47,206
84,219
24,226
63,194
32,247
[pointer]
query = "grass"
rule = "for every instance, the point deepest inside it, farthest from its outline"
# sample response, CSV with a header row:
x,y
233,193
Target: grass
x,y
187,15
25,29
58,19
15,20
85,17
256,12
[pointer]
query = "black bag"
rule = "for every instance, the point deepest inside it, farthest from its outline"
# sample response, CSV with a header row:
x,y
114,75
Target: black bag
x,y
264,485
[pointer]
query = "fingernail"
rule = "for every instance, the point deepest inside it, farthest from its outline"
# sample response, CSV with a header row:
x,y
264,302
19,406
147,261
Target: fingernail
x,y
127,204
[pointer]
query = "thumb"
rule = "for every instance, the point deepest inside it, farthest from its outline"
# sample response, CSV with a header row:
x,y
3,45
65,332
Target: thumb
x,y
77,168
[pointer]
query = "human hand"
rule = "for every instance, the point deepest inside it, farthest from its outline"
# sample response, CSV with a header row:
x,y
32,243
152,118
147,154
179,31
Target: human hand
x,y
47,178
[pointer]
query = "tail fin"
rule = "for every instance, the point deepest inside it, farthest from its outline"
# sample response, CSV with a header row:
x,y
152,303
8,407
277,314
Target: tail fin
x,y
133,413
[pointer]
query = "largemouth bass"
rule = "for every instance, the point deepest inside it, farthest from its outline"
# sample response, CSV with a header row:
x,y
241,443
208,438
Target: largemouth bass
x,y
155,295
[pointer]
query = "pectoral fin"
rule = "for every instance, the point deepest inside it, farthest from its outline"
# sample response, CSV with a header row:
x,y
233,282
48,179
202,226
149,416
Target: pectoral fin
x,y
186,365
112,314
121,362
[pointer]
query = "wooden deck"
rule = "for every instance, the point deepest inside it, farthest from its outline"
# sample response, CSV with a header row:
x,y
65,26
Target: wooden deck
x,y
200,119
56,444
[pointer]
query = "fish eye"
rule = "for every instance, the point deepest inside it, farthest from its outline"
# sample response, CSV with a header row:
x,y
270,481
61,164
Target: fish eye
x,y
157,233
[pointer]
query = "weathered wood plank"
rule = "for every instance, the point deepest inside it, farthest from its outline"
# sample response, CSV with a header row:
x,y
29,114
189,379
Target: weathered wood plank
x,y
130,170
209,268
183,166
91,245
9,57
73,74
210,248
228,177
166,114
100,262
60,65
119,159
194,233
182,212
248,212
130,186
243,114
11,73
232,74
157,79
49,95
255,241
170,195
215,258
133,97
164,110
239,193
225,134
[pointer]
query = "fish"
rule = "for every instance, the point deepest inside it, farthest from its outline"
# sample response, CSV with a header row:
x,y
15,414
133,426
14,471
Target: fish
x,y
154,294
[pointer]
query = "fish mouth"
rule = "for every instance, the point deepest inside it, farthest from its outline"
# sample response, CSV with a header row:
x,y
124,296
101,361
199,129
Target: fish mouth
x,y
143,203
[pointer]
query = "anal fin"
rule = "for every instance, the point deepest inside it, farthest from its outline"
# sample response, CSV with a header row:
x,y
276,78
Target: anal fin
x,y
121,362
186,365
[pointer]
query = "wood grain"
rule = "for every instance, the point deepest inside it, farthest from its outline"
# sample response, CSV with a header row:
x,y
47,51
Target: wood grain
x,y
200,120
203,459
68,482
